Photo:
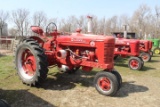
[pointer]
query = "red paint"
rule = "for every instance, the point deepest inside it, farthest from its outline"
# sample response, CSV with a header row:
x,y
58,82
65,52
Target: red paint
x,y
145,45
104,83
134,63
126,47
84,50
28,62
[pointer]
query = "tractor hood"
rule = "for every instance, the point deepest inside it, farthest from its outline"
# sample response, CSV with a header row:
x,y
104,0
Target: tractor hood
x,y
78,39
123,41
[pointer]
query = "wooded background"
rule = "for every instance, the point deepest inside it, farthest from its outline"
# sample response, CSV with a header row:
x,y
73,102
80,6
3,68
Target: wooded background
x,y
145,20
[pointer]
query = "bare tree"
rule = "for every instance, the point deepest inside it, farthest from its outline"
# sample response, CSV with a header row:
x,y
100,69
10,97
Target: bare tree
x,y
13,31
3,17
94,24
40,19
157,24
123,20
68,25
141,17
21,20
82,23
102,26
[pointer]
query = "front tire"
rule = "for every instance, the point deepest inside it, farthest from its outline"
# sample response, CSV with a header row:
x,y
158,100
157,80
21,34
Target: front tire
x,y
146,57
119,78
156,51
135,63
31,62
106,83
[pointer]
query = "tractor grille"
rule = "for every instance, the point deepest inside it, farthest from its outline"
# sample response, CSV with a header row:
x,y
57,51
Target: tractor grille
x,y
108,52
137,47
150,44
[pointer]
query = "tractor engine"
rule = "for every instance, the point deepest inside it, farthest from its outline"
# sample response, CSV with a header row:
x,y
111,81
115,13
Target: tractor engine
x,y
84,50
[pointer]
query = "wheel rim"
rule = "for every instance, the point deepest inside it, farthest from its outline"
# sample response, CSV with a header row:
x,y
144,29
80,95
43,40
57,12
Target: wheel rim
x,y
134,64
104,84
26,63
157,51
145,57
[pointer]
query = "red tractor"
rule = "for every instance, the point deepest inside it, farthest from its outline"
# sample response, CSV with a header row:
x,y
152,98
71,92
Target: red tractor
x,y
129,47
68,52
145,49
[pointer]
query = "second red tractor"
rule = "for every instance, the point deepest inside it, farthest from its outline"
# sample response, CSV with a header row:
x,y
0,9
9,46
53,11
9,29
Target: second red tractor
x,y
127,47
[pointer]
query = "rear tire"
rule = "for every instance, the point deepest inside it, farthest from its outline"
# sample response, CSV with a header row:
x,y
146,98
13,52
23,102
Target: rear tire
x,y
31,62
135,63
106,83
3,103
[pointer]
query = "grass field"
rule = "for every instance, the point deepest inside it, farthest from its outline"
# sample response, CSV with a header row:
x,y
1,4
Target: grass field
x,y
77,90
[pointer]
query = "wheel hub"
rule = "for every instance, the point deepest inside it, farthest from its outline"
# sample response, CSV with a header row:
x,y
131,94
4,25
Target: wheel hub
x,y
27,63
134,64
157,51
145,57
104,84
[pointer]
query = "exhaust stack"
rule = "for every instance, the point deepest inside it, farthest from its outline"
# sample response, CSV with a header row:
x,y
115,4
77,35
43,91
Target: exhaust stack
x,y
125,31
89,24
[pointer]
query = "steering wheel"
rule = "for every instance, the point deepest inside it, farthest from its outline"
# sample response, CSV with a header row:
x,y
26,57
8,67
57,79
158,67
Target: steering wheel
x,y
48,27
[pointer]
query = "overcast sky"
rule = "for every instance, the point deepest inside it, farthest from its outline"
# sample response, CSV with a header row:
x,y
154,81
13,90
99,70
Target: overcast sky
x,y
65,8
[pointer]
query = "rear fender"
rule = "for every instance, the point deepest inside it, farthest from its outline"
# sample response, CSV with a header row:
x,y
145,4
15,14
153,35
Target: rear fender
x,y
38,39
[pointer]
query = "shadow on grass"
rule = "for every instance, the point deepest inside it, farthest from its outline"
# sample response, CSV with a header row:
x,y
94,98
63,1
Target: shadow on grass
x,y
65,81
152,61
68,81
130,87
121,62
146,68
154,55
23,98
1,55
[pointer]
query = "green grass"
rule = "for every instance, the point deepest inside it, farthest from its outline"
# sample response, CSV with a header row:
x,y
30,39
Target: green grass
x,y
12,89
6,67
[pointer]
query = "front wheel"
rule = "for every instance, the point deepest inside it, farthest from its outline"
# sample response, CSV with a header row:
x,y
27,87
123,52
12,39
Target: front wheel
x,y
31,62
119,78
146,57
135,63
106,83
156,51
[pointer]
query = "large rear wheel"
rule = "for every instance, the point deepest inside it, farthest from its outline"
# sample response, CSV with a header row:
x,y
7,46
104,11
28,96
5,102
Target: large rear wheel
x,y
31,62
